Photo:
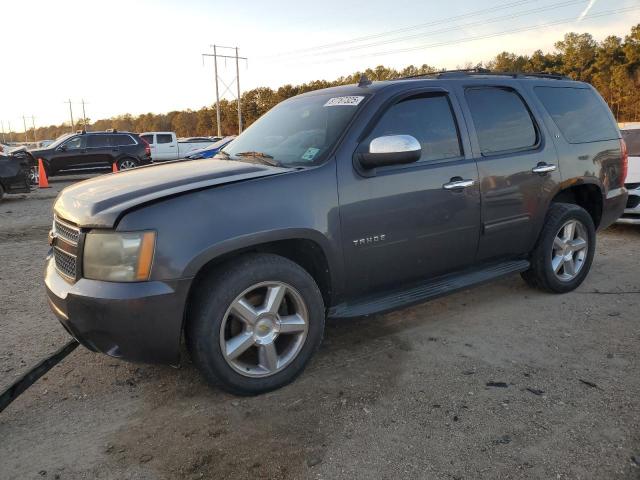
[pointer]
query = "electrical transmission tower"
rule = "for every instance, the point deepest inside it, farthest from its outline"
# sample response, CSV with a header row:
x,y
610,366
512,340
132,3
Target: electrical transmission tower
x,y
228,87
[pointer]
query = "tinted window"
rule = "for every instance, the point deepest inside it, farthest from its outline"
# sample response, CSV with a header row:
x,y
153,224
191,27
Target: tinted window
x,y
578,113
147,138
503,122
164,138
429,120
122,140
632,139
97,141
75,143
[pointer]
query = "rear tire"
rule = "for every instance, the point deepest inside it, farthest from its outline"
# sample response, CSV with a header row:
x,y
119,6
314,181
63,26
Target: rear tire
x,y
563,255
254,324
127,163
1,192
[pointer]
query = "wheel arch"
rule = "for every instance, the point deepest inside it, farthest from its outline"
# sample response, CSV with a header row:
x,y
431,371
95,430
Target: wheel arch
x,y
308,249
587,195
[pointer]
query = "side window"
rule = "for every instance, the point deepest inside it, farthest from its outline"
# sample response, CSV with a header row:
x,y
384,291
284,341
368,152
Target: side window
x,y
97,141
503,122
147,138
578,113
124,140
164,138
75,143
427,118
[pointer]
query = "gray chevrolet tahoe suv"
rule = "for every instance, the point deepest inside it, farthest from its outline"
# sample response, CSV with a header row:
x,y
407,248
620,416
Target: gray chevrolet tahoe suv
x,y
341,202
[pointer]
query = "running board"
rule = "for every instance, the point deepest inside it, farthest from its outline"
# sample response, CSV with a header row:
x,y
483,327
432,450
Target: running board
x,y
438,287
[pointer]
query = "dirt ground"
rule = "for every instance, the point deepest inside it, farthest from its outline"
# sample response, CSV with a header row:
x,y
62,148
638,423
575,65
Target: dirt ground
x,y
497,382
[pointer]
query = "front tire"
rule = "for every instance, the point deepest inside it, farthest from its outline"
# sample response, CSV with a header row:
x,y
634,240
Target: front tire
x,y
563,255
254,324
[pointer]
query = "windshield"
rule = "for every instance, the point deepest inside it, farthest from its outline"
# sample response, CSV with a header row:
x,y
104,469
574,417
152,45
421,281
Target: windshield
x,y
297,132
59,140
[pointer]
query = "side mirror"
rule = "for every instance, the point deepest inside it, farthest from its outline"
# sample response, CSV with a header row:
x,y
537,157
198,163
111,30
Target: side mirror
x,y
62,148
391,150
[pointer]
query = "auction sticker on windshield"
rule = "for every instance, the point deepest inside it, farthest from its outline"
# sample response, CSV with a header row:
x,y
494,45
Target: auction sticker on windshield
x,y
310,153
349,100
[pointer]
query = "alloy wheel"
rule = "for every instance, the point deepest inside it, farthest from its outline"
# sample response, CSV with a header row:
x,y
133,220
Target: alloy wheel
x,y
264,329
127,164
569,251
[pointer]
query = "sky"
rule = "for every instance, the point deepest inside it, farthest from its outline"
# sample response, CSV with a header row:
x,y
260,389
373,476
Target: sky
x,y
146,56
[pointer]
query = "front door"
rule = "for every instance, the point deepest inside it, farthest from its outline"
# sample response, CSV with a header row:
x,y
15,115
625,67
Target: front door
x,y
415,221
517,165
166,147
70,154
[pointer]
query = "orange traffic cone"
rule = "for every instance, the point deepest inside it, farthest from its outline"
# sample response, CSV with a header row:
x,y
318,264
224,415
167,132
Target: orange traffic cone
x,y
43,182
115,167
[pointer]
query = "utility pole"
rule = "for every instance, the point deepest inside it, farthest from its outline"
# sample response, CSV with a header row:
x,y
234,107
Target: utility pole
x,y
10,136
24,122
237,58
84,116
3,137
238,85
215,69
73,126
33,124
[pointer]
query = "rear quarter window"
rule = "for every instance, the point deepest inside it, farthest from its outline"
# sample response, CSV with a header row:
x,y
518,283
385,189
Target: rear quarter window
x,y
578,113
164,138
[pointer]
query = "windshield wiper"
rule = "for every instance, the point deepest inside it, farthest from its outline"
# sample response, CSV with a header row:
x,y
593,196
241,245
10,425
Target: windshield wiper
x,y
253,154
264,157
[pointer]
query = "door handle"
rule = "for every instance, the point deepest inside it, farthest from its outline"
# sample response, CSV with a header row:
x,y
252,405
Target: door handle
x,y
543,168
458,184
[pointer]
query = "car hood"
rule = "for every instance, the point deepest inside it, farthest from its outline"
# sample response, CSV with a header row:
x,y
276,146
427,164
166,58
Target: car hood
x,y
99,202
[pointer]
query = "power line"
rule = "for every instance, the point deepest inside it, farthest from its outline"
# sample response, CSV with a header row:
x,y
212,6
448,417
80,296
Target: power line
x,y
511,16
484,36
409,28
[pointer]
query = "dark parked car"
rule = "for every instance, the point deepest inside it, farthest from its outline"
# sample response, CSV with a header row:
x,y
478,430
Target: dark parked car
x,y
14,174
341,202
83,151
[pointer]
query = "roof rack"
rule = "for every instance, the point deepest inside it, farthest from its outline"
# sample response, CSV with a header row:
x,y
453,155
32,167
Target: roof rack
x,y
461,73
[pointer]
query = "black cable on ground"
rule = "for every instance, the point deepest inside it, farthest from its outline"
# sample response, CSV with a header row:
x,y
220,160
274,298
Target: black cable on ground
x,y
29,378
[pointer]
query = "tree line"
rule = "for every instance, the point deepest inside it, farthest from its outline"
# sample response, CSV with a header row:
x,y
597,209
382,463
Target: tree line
x,y
612,66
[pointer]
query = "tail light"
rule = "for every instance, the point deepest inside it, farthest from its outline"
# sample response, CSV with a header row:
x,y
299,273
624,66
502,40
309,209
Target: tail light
x,y
624,160
147,147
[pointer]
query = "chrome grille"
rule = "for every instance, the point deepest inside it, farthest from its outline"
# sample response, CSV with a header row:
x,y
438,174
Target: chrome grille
x,y
65,263
65,249
66,231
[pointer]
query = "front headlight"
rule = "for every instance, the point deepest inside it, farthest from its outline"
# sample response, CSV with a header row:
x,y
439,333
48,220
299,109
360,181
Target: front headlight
x,y
118,257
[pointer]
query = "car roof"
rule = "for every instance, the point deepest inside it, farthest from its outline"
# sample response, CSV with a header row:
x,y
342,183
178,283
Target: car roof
x,y
441,79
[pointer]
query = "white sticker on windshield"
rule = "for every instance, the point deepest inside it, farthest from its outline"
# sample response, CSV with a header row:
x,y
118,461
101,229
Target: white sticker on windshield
x,y
310,153
350,100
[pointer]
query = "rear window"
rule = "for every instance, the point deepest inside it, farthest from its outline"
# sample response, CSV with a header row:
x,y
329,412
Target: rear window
x,y
164,138
632,139
502,120
578,113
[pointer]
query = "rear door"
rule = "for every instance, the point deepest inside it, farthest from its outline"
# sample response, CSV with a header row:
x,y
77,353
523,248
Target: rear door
x,y
403,223
517,165
166,147
98,151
